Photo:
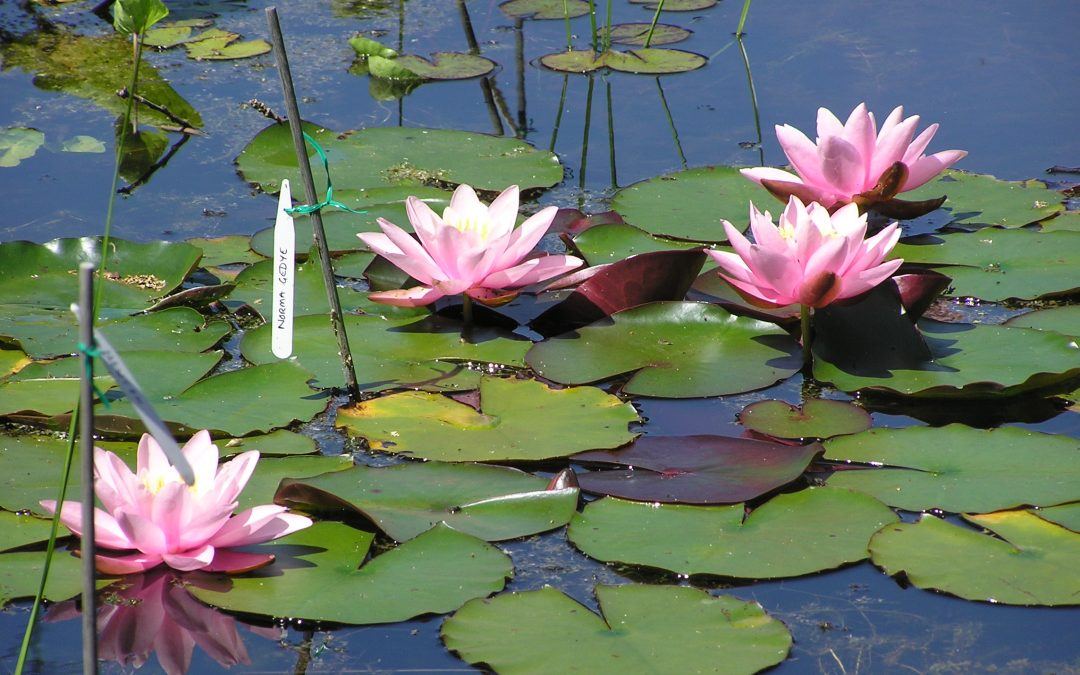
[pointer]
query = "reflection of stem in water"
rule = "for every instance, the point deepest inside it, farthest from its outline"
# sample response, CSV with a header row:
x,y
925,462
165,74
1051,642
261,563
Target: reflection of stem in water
x,y
742,18
652,26
611,138
558,115
485,82
303,657
519,59
585,142
128,189
671,122
753,100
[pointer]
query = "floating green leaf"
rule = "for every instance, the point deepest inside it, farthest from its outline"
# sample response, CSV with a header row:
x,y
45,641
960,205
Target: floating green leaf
x,y
254,288
574,61
30,470
490,502
20,574
390,353
690,204
960,469
544,9
315,577
82,143
650,61
674,349
636,33
174,33
968,361
12,361
1064,320
19,143
227,250
677,5
789,535
269,473
18,530
1066,515
997,265
367,47
815,418
275,444
220,45
1068,221
1033,563
517,420
395,156
985,200
134,17
442,66
644,629
612,242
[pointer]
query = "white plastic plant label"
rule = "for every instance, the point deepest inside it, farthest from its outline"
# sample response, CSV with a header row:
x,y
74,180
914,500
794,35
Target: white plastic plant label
x,y
281,318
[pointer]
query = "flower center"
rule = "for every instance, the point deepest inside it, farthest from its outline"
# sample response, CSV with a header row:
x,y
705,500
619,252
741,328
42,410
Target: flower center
x,y
155,481
476,223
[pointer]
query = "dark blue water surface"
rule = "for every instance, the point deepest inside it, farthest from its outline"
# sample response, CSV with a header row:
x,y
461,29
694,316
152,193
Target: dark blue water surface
x,y
1000,77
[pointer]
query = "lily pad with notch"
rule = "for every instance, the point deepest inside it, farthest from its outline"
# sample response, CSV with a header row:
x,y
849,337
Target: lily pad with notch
x,y
490,502
978,199
316,577
790,535
517,420
636,33
694,469
1064,320
815,418
441,66
221,45
611,242
271,472
544,9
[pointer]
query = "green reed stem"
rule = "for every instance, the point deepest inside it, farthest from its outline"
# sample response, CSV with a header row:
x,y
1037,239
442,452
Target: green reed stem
x,y
566,19
652,26
804,330
607,27
592,24
742,17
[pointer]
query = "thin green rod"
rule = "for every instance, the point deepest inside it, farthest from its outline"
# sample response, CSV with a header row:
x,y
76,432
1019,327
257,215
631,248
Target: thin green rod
x,y
611,139
585,142
607,27
804,330
558,115
592,24
652,26
742,18
753,99
566,18
671,122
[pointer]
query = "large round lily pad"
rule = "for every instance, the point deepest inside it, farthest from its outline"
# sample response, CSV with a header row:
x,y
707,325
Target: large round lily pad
x,y
636,33
815,418
442,65
18,530
315,577
977,199
644,629
677,5
1064,320
20,575
254,288
1033,563
695,469
386,156
404,500
544,9
674,349
960,469
648,61
516,420
969,361
690,204
996,265
270,472
426,353
612,242
1066,515
789,535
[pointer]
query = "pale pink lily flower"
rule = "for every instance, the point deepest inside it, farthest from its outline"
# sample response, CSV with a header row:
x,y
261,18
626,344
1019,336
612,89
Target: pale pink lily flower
x,y
151,516
854,161
472,249
811,259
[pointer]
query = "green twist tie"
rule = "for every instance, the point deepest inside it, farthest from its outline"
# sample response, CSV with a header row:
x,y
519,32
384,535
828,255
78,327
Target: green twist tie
x,y
93,353
307,209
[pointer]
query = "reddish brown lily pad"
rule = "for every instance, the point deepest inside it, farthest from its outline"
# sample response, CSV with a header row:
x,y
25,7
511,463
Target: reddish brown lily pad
x,y
695,469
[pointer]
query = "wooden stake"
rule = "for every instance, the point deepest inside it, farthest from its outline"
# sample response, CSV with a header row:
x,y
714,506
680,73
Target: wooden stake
x,y
295,125
86,450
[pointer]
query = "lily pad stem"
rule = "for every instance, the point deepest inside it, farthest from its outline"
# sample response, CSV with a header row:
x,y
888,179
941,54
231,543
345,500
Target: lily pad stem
x,y
466,314
804,329
652,26
569,34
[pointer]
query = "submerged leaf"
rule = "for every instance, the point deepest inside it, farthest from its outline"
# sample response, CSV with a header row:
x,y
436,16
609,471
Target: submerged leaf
x,y
19,143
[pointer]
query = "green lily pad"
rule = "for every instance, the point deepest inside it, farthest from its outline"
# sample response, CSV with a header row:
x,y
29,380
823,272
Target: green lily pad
x,y
677,5
790,535
387,68
315,577
544,9
254,288
612,242
20,575
1033,563
227,250
690,204
489,502
815,418
635,34
967,361
220,45
997,265
389,353
1066,515
12,361
367,47
1065,221
172,34
44,333
18,530
269,473
517,420
395,156
650,61
442,66
1064,320
94,68
234,403
280,443
960,469
644,629
82,143
977,199
19,143
674,350
574,61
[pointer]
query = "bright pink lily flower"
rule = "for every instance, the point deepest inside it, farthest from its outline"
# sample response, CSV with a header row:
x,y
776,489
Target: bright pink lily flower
x,y
472,249
812,259
155,514
851,159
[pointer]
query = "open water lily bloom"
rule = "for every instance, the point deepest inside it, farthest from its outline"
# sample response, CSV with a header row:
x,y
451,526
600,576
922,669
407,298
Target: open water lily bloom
x,y
811,259
472,249
854,161
151,516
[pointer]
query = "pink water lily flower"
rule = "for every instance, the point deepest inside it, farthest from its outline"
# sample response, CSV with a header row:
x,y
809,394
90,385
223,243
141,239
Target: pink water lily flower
x,y
854,161
811,259
472,249
152,517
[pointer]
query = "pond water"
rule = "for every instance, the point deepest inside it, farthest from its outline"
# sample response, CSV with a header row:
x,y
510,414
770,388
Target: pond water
x,y
1000,78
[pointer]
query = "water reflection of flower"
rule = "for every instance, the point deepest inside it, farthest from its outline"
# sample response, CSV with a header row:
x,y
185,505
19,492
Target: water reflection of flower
x,y
153,613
